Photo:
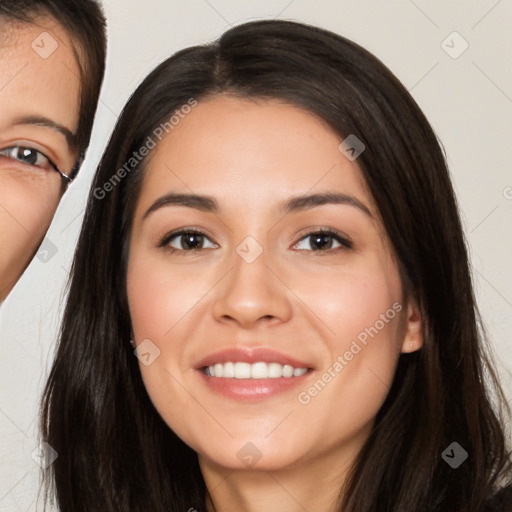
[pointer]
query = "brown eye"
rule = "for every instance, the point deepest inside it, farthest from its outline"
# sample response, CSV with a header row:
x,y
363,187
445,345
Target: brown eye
x,y
189,240
323,240
27,156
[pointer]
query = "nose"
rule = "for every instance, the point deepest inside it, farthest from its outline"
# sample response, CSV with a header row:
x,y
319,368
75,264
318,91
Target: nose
x,y
253,292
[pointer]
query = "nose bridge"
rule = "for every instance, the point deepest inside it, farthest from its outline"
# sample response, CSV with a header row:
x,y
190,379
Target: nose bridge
x,y
252,290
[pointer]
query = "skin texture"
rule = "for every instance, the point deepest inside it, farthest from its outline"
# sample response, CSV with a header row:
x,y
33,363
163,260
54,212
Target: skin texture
x,y
251,156
31,85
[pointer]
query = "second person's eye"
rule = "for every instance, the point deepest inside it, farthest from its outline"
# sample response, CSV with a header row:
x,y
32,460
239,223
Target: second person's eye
x,y
27,156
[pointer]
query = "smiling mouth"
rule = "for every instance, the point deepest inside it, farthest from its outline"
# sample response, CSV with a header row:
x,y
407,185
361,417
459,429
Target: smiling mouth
x,y
258,370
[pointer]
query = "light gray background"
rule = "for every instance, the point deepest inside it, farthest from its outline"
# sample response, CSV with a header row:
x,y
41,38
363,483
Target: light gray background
x,y
468,101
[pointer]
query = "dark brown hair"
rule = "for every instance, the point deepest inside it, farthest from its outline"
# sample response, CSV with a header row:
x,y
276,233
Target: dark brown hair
x,y
115,451
84,22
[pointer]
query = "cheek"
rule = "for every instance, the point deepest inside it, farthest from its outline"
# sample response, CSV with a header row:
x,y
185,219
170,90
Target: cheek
x,y
349,301
363,312
160,296
25,214
31,203
164,302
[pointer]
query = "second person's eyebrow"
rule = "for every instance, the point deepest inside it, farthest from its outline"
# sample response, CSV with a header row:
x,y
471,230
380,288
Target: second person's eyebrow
x,y
296,203
52,125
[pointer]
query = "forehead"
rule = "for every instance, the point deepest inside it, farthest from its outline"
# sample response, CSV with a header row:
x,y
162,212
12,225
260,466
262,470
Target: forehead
x,y
39,74
259,150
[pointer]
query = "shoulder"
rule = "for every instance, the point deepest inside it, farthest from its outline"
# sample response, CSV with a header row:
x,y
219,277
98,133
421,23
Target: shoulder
x,y
501,501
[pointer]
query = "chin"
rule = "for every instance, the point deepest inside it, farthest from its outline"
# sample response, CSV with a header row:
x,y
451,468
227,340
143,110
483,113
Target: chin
x,y
250,458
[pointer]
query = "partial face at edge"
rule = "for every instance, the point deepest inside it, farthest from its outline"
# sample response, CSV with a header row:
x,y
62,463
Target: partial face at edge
x,y
37,80
283,290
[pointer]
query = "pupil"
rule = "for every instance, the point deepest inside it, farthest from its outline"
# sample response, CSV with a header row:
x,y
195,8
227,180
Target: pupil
x,y
27,155
320,237
189,238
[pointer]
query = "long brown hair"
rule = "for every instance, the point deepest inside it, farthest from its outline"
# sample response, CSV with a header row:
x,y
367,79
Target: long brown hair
x,y
115,451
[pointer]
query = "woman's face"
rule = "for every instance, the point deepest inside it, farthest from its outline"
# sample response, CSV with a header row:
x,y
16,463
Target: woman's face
x,y
39,102
260,293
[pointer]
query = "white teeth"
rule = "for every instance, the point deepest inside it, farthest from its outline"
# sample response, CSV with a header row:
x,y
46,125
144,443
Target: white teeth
x,y
287,370
242,371
275,370
218,369
259,370
228,370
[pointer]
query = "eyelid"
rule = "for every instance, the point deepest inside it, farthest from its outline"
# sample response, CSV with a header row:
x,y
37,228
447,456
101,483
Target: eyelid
x,y
31,145
164,241
344,240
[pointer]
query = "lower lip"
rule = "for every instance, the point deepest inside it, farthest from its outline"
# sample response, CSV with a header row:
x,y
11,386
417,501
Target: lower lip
x,y
252,389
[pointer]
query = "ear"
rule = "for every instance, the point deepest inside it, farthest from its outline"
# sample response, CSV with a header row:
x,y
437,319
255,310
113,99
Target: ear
x,y
413,338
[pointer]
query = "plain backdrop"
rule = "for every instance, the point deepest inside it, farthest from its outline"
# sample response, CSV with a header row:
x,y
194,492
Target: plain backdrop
x,y
466,93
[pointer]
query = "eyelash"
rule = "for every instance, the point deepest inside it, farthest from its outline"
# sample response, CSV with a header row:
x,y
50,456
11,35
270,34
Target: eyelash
x,y
345,243
21,147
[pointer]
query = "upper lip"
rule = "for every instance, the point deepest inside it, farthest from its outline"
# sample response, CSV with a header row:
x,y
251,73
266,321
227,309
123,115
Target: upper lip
x,y
250,355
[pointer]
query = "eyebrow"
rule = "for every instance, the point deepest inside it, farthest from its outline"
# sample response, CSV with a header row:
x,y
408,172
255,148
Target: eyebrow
x,y
71,138
293,204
